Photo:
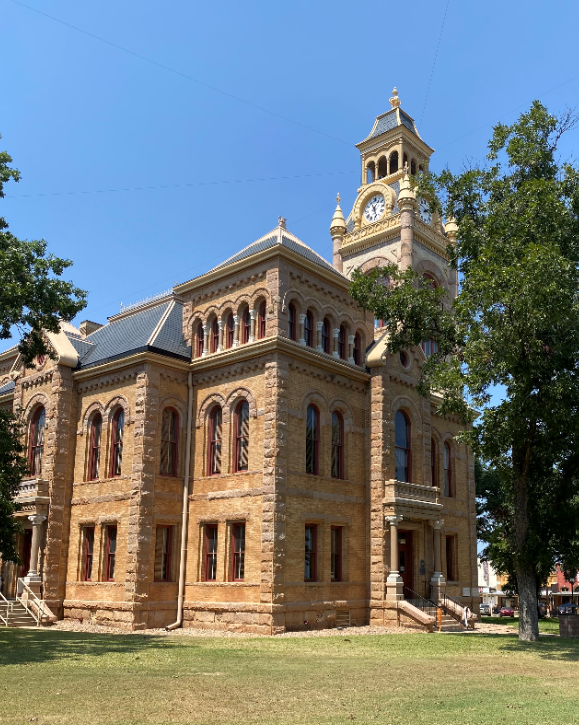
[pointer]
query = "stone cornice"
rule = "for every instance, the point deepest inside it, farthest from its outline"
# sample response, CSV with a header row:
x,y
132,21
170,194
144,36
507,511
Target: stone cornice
x,y
432,240
136,359
383,230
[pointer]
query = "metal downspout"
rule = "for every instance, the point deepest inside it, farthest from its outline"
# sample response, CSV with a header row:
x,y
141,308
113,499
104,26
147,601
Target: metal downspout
x,y
185,511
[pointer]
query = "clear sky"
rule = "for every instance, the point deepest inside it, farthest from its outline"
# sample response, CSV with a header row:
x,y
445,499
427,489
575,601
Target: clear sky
x,y
80,115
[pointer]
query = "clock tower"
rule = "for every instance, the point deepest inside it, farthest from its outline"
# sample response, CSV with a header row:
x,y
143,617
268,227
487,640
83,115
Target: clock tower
x,y
388,223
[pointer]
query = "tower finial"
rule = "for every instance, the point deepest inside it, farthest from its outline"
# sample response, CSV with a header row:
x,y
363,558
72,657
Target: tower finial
x,y
281,222
338,199
395,101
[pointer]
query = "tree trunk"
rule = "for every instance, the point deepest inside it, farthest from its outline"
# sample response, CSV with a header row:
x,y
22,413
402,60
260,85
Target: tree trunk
x,y
528,613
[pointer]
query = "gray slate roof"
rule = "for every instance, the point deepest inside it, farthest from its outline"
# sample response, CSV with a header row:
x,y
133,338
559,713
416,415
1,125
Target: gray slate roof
x,y
8,387
390,120
154,329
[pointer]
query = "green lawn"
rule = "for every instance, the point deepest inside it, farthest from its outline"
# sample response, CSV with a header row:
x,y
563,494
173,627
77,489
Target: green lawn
x,y
546,626
61,677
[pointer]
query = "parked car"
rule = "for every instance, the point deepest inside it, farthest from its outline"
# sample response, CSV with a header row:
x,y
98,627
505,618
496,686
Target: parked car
x,y
542,609
485,608
506,612
568,608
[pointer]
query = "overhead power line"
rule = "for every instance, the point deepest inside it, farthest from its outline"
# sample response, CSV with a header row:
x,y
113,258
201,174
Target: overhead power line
x,y
435,58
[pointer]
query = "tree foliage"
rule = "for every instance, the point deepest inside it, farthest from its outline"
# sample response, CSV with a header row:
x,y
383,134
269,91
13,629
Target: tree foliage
x,y
514,324
13,468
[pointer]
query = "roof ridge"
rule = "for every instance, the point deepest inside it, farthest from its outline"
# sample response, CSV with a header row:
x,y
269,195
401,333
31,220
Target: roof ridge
x,y
160,324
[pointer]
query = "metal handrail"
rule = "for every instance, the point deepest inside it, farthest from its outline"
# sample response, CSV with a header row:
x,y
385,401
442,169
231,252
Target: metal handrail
x,y
425,605
443,601
8,609
38,602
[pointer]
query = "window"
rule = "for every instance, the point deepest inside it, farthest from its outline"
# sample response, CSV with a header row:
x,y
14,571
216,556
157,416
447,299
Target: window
x,y
402,447
111,553
117,442
242,436
370,172
169,437
36,447
413,167
309,329
357,348
163,549
326,335
393,162
210,563
342,342
292,322
94,456
311,553
403,359
215,427
430,347
237,552
337,446
404,161
382,167
214,335
245,325
87,552
230,331
451,572
200,339
336,562
261,320
433,475
312,438
447,471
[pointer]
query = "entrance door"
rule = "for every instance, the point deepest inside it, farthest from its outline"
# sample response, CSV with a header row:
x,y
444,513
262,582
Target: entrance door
x,y
26,551
406,560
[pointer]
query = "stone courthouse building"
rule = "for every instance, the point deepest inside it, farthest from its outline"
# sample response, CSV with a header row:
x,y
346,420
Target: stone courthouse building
x,y
243,453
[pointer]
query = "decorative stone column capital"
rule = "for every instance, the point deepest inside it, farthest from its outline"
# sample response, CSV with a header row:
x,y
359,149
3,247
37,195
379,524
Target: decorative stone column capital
x,y
336,331
302,318
438,524
235,319
220,324
319,325
252,314
37,519
206,328
393,520
351,339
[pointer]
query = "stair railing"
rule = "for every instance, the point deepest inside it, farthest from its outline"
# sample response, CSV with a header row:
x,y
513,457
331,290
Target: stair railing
x,y
425,605
31,597
8,609
450,605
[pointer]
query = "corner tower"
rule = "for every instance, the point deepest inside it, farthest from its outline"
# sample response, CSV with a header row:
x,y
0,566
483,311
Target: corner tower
x,y
388,224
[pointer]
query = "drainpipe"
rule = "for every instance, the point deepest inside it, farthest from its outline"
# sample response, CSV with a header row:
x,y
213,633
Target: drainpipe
x,y
185,512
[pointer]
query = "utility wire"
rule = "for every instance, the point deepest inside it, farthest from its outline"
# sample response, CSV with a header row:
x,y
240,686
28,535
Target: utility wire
x,y
179,73
435,58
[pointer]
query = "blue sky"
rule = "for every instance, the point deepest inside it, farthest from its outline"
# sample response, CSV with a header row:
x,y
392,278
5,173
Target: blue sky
x,y
80,115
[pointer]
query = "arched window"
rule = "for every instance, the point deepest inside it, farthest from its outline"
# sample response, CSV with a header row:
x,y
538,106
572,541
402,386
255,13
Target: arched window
x,y
261,321
413,167
342,343
214,452
169,439
337,445
429,347
357,348
36,445
312,440
200,339
309,329
292,322
326,335
370,172
214,335
433,475
117,442
230,330
382,167
405,161
447,471
94,455
245,325
402,446
393,162
242,436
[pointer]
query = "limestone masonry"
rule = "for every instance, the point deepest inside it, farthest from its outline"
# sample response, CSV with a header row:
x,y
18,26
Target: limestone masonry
x,y
243,453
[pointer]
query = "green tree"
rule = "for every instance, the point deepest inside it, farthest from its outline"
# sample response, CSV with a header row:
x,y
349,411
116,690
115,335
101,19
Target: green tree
x,y
33,299
515,324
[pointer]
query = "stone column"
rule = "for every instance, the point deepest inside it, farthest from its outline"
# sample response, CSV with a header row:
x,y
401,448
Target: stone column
x,y
37,522
236,331
252,326
394,582
335,352
302,338
205,341
407,204
220,338
319,326
437,581
351,349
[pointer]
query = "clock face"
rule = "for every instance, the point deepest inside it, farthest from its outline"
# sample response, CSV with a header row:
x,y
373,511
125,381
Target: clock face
x,y
374,208
425,215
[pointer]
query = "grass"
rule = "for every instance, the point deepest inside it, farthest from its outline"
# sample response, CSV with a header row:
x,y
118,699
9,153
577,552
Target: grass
x,y
546,626
63,677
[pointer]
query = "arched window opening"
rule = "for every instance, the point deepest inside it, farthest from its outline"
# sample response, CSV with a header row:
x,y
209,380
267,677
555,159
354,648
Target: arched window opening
x,y
312,440
230,330
215,432
402,447
403,359
214,335
36,446
337,445
342,342
245,325
292,318
429,279
430,347
447,471
420,169
309,329
169,439
357,349
94,459
261,321
200,339
242,436
370,172
405,161
382,167
326,335
117,442
413,167
433,475
394,162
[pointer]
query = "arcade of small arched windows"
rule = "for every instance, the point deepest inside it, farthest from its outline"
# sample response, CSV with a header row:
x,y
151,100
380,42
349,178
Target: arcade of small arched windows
x,y
227,425
386,165
230,327
324,333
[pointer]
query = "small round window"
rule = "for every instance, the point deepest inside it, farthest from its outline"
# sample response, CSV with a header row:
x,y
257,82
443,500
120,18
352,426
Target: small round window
x,y
404,359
